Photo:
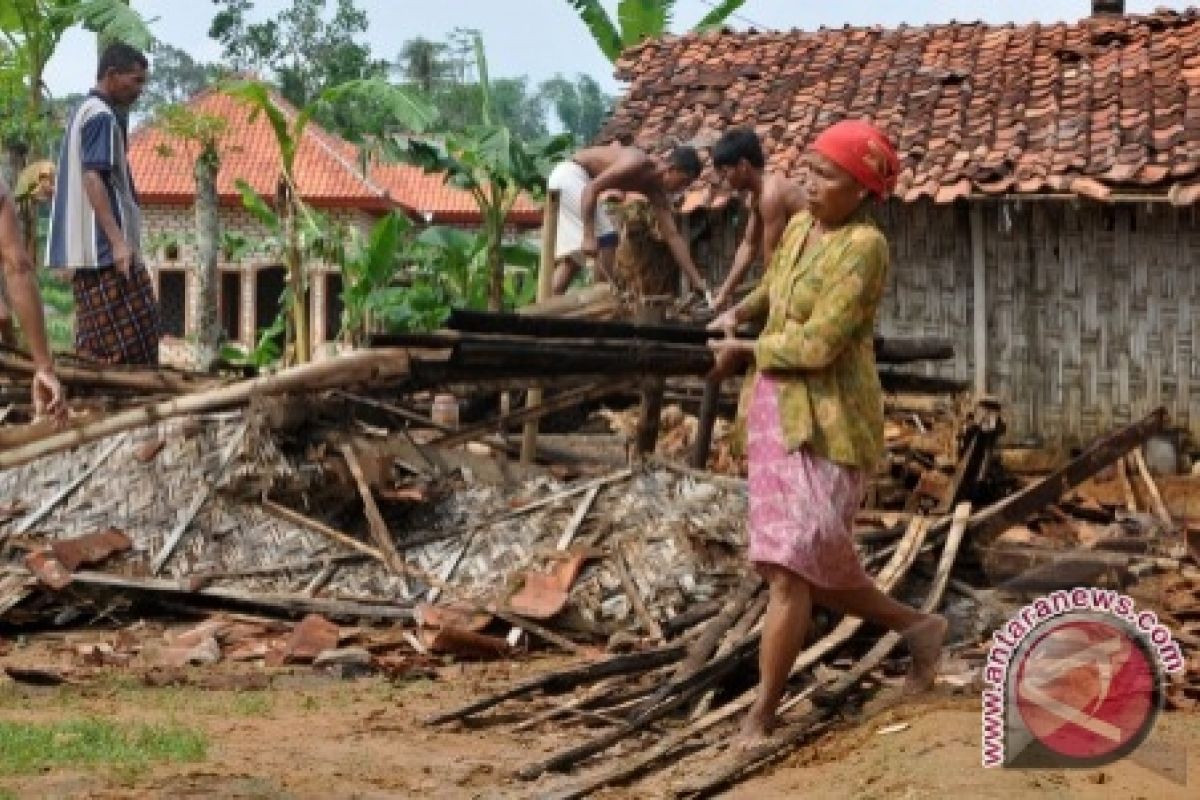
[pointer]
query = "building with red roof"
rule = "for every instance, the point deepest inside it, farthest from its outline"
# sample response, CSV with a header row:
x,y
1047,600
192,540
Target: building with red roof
x,y
330,178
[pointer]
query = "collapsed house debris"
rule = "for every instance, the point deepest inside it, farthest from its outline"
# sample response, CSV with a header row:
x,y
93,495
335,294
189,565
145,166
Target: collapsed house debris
x,y
319,516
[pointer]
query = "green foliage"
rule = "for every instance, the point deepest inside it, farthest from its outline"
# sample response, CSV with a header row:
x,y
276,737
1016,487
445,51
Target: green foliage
x,y
513,105
269,348
30,31
175,77
197,132
80,743
491,163
368,266
58,300
305,51
638,20
581,106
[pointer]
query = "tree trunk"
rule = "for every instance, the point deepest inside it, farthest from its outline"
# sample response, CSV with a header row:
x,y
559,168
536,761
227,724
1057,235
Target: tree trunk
x,y
495,262
208,233
296,281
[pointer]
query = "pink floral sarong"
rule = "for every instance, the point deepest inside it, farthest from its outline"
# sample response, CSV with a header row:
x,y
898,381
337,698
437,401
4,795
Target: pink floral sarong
x,y
802,506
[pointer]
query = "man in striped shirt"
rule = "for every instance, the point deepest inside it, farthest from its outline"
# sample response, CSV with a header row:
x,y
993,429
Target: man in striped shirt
x,y
95,223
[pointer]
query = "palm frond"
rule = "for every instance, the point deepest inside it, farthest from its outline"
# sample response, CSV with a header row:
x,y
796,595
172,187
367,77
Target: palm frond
x,y
643,19
719,15
114,20
601,25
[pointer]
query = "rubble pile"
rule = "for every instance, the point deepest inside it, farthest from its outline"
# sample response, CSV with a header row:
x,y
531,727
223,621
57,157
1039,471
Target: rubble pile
x,y
314,517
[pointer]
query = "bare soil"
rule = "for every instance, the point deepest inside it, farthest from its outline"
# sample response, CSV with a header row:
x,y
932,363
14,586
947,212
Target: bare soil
x,y
308,735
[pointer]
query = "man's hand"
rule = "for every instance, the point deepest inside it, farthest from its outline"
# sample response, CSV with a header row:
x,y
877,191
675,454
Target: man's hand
x,y
730,356
123,257
723,298
726,322
588,247
49,397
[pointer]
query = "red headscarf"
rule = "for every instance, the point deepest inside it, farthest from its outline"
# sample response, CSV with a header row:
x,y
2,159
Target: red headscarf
x,y
862,150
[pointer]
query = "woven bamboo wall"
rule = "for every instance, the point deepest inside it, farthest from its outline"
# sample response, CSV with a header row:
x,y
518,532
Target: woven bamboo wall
x,y
1090,319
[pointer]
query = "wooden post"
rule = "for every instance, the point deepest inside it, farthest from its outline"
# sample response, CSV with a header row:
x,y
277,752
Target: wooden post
x,y
980,299
545,289
652,392
704,427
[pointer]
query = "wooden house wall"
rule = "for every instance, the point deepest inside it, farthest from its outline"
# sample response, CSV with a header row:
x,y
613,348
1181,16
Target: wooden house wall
x,y
1093,312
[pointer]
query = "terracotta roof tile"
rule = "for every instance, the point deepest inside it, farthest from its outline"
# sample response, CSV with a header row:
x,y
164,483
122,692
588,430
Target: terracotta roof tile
x,y
1101,106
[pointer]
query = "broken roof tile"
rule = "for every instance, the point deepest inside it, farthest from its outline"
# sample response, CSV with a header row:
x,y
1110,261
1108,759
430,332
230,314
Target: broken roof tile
x,y
1097,106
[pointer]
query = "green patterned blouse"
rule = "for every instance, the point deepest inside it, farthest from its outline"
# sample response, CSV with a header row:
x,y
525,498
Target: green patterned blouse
x,y
818,342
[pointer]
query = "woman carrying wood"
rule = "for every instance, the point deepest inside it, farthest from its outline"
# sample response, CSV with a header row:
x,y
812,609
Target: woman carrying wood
x,y
812,411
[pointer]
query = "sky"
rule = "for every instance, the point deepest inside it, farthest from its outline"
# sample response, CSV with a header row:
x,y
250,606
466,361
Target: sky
x,y
540,38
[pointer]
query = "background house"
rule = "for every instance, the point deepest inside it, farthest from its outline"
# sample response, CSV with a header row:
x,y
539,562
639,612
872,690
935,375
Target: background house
x,y
330,179
1045,217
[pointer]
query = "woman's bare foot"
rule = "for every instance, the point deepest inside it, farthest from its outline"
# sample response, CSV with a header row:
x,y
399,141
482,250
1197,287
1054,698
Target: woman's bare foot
x,y
925,645
756,727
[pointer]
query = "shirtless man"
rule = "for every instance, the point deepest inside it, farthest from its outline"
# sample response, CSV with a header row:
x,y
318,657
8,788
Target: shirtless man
x,y
738,159
585,230
47,391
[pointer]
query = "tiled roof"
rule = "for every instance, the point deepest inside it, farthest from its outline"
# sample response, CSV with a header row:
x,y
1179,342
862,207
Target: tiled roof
x,y
327,170
1105,106
427,193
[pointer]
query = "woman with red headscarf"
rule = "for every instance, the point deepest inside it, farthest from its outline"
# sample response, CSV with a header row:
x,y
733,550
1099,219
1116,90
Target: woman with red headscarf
x,y
812,411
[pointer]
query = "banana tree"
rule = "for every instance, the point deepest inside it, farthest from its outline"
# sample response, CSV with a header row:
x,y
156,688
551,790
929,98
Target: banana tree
x,y
638,20
404,108
490,163
31,31
201,136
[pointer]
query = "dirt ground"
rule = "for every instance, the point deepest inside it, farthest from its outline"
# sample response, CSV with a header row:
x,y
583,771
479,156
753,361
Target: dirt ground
x,y
308,735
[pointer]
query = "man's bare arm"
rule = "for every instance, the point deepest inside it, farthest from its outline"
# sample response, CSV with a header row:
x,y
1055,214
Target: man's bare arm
x,y
45,390
97,194
22,283
747,250
623,173
678,247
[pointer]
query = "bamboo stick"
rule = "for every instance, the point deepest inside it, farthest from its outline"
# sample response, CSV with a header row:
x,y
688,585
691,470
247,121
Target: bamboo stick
x,y
1156,501
635,764
316,526
375,523
361,367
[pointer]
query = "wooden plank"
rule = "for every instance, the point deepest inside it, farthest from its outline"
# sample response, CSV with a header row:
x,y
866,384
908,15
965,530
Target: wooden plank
x,y
287,605
1015,508
1126,487
704,424
533,411
979,305
570,678
581,512
375,523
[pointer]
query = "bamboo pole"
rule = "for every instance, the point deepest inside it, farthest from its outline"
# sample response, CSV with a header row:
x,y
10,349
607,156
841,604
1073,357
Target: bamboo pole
x,y
354,368
545,290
